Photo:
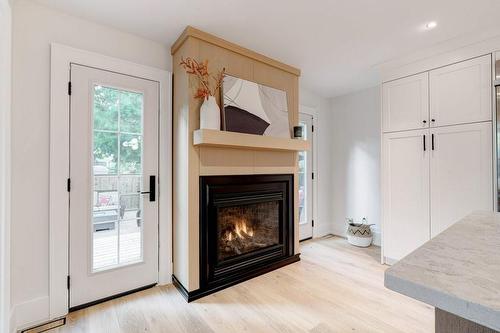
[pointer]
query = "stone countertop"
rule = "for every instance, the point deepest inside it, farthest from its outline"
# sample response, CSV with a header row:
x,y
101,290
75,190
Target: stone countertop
x,y
457,271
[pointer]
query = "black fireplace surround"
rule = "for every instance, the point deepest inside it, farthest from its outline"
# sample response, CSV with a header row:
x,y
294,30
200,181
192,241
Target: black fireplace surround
x,y
246,229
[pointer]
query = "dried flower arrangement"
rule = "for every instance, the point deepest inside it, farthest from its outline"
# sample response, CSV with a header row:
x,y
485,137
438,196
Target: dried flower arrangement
x,y
200,70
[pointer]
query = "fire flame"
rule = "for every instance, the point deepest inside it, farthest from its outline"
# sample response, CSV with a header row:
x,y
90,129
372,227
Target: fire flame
x,y
241,230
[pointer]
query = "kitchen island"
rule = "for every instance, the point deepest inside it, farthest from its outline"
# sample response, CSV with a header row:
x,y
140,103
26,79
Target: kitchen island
x,y
457,272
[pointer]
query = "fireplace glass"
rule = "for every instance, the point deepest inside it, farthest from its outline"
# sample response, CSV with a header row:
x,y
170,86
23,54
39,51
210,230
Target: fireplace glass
x,y
246,228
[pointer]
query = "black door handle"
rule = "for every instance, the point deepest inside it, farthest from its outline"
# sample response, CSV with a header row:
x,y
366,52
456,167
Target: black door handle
x,y
432,141
152,189
424,140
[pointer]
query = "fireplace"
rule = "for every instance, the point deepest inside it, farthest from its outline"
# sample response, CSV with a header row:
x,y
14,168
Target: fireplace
x,y
246,228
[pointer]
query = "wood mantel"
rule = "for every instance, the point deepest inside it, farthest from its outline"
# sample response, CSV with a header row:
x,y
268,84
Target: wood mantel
x,y
203,152
223,139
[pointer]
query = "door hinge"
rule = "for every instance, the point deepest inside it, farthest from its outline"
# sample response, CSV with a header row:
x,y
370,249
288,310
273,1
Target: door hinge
x,y
68,185
312,223
69,88
67,281
313,175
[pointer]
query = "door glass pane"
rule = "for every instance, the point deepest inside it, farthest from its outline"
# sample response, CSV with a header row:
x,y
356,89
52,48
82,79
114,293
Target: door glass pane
x,y
105,108
117,172
302,180
130,154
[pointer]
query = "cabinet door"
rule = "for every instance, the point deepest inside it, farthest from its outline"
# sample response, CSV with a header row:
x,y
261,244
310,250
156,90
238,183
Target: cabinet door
x,y
405,192
461,173
461,93
405,103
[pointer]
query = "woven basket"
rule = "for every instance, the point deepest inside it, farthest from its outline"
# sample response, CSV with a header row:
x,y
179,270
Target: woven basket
x,y
359,234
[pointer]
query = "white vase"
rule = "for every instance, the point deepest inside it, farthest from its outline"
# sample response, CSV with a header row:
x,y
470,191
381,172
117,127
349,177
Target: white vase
x,y
210,114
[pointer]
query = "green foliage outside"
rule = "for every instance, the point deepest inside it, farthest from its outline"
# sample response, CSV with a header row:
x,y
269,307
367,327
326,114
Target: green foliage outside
x,y
117,110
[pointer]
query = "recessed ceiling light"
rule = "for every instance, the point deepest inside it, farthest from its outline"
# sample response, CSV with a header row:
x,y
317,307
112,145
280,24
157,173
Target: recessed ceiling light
x,y
431,25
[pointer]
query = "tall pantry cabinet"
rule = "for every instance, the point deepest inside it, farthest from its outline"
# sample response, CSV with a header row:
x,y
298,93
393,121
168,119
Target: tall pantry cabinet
x,y
437,152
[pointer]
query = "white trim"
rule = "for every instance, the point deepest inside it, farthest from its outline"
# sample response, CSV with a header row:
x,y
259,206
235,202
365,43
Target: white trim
x,y
12,320
29,313
405,66
494,132
165,258
377,237
323,230
382,177
5,112
61,58
316,231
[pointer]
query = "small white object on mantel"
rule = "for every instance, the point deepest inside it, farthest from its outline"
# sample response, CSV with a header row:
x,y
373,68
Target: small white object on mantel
x,y
210,114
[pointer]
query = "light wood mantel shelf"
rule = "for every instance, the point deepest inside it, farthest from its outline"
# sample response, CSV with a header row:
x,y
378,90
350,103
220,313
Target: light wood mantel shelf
x,y
214,138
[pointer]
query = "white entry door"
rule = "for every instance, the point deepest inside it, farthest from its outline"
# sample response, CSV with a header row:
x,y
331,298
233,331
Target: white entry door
x,y
305,180
113,158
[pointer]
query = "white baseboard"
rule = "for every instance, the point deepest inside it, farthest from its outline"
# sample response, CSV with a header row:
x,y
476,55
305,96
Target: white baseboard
x,y
377,238
341,232
389,261
12,321
165,276
30,313
322,230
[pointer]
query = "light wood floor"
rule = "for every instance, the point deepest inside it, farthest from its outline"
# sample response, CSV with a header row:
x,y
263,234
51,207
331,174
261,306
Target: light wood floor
x,y
334,288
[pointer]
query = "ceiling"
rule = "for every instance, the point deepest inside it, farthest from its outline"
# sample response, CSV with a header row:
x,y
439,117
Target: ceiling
x,y
339,45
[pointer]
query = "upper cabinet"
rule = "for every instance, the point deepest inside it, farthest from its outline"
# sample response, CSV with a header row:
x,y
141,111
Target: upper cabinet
x,y
406,103
461,93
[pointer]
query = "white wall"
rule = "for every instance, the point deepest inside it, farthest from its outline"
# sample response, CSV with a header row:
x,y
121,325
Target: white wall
x,y
355,150
5,100
34,28
323,176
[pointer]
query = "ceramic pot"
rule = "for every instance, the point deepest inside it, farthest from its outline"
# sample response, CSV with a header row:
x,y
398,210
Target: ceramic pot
x,y
210,114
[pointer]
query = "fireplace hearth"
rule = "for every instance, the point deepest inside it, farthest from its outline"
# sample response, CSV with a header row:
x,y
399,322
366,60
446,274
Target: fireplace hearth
x,y
246,229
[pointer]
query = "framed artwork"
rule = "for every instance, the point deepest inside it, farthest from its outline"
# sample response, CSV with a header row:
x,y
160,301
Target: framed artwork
x,y
253,108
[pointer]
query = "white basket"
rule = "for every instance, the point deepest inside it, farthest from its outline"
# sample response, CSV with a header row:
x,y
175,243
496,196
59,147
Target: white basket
x,y
360,241
359,234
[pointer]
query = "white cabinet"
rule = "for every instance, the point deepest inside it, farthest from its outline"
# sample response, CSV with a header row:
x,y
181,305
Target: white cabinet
x,y
461,173
426,191
405,191
461,93
406,103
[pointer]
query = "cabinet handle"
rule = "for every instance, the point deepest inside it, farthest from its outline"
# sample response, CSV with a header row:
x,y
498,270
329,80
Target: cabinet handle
x,y
424,121
432,141
424,141
433,120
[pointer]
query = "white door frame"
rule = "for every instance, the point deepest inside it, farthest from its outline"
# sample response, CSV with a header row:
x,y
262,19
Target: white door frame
x,y
5,160
314,114
61,59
